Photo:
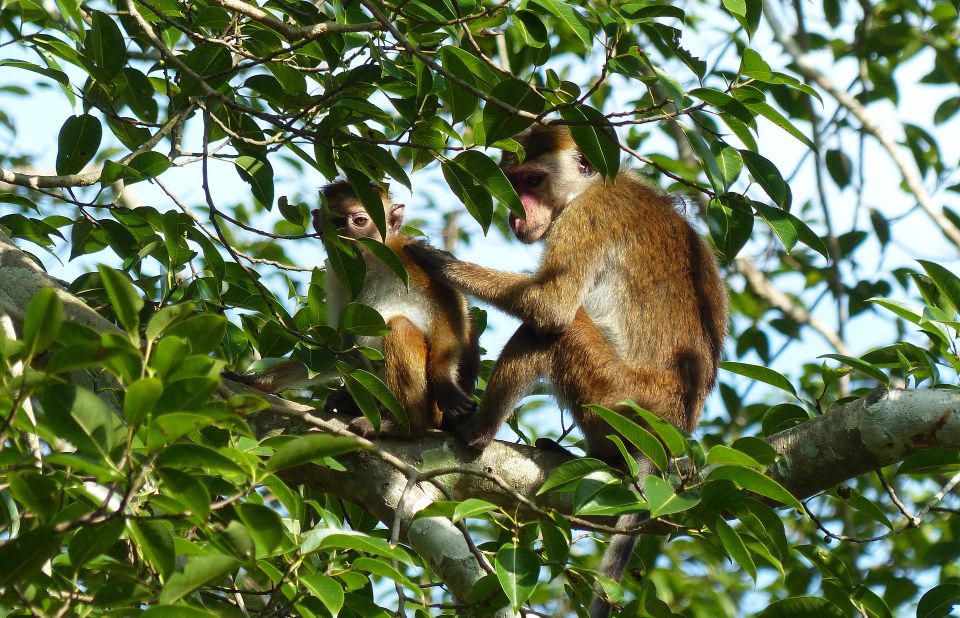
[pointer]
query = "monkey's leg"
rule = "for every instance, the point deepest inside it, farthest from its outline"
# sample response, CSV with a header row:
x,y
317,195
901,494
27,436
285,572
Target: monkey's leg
x,y
585,370
525,358
405,360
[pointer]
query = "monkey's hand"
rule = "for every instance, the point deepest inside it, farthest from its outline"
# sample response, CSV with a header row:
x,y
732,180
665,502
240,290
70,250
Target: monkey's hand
x,y
432,260
454,402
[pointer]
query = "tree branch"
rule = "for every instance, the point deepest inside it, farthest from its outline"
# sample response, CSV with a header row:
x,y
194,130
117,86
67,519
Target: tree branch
x,y
289,31
762,286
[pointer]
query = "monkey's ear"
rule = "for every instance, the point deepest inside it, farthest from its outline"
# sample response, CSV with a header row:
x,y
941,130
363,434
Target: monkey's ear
x,y
396,217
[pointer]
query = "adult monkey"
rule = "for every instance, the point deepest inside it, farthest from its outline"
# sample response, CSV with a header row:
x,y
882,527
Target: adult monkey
x,y
627,304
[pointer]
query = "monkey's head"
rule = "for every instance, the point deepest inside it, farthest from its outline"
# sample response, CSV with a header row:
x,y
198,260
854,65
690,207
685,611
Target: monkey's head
x,y
348,214
553,173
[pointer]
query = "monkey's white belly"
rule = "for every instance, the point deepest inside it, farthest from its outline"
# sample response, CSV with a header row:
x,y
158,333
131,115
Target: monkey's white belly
x,y
391,299
605,314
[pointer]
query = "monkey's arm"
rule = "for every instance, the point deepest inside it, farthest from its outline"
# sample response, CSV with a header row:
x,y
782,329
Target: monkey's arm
x,y
547,300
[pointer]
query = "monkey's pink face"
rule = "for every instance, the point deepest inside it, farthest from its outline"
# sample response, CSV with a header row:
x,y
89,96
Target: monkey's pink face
x,y
532,184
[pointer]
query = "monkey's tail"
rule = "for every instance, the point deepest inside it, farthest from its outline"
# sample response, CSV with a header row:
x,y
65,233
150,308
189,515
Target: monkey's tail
x,y
616,558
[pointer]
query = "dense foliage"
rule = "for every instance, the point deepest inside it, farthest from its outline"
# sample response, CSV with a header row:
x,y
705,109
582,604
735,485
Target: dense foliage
x,y
127,483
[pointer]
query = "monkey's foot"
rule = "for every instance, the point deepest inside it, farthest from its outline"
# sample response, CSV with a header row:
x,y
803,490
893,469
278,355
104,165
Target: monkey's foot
x,y
388,429
455,404
475,434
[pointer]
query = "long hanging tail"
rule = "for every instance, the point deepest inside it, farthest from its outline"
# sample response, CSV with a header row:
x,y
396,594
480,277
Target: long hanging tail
x,y
616,558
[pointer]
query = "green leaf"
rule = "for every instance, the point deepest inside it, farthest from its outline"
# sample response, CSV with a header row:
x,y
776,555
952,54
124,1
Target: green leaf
x,y
149,164
306,448
380,160
162,319
105,44
860,365
81,418
839,167
258,173
571,471
867,507
497,122
672,437
870,603
662,498
40,495
177,611
90,541
705,156
751,480
140,398
939,600
330,538
204,331
737,7
325,588
198,570
801,607
517,569
43,320
53,74
78,143
377,566
387,256
733,545
472,507
476,200
782,417
826,562
569,17
931,461
597,141
187,490
359,319
764,109
768,177
489,178
635,434
264,525
187,455
211,62
124,297
23,557
761,374
154,541
946,281
723,454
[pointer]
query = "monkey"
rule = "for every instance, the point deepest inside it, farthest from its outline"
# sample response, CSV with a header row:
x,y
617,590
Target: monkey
x,y
627,303
431,353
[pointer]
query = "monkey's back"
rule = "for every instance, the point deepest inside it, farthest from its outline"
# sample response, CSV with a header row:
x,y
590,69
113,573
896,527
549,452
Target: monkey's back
x,y
656,292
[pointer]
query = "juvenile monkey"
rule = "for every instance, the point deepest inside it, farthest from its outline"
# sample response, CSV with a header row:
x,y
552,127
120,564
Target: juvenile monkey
x,y
627,304
431,354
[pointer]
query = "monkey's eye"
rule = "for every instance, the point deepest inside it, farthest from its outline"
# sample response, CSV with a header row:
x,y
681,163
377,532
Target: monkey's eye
x,y
533,180
360,221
